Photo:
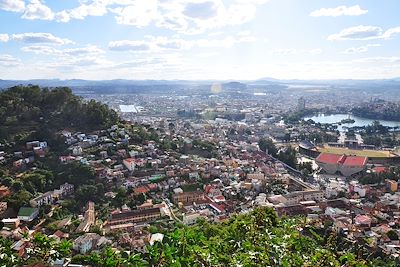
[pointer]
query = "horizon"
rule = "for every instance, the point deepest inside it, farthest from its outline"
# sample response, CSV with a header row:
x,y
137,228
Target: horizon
x,y
199,40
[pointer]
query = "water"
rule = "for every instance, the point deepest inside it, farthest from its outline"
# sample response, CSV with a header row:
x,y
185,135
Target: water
x,y
336,118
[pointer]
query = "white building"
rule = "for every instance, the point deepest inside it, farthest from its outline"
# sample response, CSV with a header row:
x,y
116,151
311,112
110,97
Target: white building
x,y
129,164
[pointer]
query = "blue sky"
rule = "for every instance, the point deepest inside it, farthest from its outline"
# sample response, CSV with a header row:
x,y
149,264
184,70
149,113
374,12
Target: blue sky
x,y
199,39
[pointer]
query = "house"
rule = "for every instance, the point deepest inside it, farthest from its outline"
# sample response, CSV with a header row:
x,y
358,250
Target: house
x,y
391,185
77,150
51,196
44,199
191,218
12,223
32,144
66,159
19,164
3,207
27,214
86,242
188,197
4,191
129,164
133,216
156,238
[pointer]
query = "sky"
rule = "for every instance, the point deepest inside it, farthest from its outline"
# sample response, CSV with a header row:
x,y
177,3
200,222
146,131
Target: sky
x,y
199,39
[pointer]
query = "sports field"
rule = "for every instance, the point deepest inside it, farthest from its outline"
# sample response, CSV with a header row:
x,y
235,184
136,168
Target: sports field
x,y
355,152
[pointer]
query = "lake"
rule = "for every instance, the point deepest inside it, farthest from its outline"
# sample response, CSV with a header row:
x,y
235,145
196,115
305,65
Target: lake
x,y
336,118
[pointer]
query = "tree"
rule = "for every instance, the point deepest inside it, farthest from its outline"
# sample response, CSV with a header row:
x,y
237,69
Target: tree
x,y
45,249
8,256
267,145
7,181
392,235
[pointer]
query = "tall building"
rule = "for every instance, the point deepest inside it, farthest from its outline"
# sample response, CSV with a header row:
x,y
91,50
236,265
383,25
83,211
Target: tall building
x,y
301,103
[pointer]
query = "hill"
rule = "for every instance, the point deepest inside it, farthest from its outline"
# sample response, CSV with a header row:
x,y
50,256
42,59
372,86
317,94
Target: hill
x,y
31,112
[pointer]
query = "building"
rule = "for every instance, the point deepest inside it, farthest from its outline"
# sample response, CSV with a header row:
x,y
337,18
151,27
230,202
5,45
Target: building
x,y
391,185
191,218
133,216
301,104
346,165
3,207
187,197
27,214
11,223
256,176
299,196
86,242
129,164
51,196
44,199
89,218
4,191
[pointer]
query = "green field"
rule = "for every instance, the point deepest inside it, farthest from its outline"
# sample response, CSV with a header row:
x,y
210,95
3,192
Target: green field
x,y
355,152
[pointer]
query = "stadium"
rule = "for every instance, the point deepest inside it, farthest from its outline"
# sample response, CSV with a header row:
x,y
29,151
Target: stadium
x,y
374,156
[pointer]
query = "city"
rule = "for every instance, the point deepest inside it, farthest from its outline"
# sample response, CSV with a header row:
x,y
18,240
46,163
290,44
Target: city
x,y
198,163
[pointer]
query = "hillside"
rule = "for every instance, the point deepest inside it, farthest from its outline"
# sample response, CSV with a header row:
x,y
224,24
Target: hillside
x,y
31,112
258,238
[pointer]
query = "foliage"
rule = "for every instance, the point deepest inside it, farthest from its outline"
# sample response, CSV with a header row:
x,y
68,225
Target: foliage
x,y
29,112
288,156
266,144
378,110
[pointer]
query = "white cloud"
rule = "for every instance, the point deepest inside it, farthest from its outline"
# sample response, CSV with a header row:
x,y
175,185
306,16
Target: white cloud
x,y
8,60
364,33
12,5
41,49
4,37
378,60
63,16
95,8
36,9
201,10
339,11
187,16
126,45
356,50
159,43
183,16
90,50
361,49
40,37
293,51
140,14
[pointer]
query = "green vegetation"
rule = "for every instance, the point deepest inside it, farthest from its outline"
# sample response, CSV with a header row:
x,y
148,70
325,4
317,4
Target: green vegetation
x,y
267,145
379,110
43,250
286,155
392,173
258,238
31,112
296,116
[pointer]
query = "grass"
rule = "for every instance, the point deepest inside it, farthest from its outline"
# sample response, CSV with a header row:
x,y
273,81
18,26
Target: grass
x,y
355,152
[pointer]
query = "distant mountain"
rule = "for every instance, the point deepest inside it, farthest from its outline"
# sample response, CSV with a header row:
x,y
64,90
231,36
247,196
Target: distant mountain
x,y
234,86
132,86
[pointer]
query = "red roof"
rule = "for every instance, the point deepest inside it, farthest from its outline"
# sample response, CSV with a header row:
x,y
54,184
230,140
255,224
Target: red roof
x,y
379,169
329,158
141,190
355,161
342,159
